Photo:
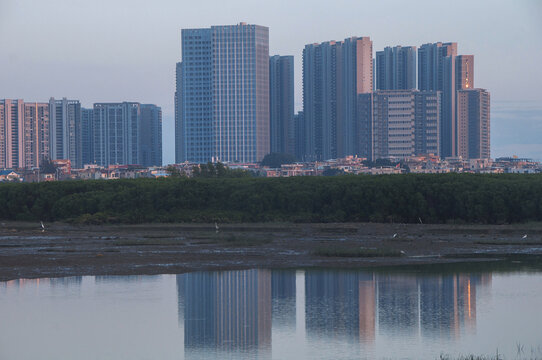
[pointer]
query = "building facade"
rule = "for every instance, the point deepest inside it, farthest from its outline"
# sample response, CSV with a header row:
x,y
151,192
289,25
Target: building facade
x,y
65,130
427,122
24,134
300,138
393,124
398,123
11,120
396,68
437,72
464,72
223,97
281,104
87,136
116,133
334,74
150,139
473,118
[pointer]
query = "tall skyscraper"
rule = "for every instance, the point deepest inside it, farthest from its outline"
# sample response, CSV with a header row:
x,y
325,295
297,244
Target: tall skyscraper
x,y
224,94
334,74
87,136
437,72
116,133
427,122
431,65
396,68
24,134
11,120
399,123
300,138
473,114
65,122
393,124
464,72
179,151
150,140
35,135
281,103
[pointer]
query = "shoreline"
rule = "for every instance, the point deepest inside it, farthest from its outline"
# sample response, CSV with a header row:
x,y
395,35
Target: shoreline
x,y
149,249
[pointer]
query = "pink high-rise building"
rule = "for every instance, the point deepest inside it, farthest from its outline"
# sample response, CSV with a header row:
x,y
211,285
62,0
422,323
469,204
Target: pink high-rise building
x,y
24,133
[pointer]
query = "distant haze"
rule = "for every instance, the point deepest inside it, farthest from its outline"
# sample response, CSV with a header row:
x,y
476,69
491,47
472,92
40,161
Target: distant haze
x,y
115,50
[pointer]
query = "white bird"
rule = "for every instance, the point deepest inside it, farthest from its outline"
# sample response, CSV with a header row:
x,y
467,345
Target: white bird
x,y
394,236
524,236
216,227
42,226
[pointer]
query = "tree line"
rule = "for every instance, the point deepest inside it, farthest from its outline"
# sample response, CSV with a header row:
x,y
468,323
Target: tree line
x,y
409,198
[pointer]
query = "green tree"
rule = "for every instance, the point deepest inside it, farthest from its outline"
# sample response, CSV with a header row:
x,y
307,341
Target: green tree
x,y
173,171
275,160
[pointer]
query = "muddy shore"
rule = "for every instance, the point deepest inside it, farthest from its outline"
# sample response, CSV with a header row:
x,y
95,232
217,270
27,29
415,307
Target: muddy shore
x,y
74,250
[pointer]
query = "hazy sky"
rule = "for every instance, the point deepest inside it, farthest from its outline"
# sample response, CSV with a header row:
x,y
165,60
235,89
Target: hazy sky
x,y
126,50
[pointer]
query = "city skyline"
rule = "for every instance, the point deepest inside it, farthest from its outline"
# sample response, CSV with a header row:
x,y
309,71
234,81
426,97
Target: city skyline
x,y
93,58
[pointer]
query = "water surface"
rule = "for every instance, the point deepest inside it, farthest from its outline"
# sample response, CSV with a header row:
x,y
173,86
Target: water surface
x,y
415,313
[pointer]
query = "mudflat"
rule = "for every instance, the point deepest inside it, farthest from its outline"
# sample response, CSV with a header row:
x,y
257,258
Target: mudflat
x,y
28,251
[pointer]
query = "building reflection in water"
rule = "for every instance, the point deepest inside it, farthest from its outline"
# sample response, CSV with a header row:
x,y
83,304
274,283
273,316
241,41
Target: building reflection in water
x,y
339,305
51,282
283,292
227,311
234,311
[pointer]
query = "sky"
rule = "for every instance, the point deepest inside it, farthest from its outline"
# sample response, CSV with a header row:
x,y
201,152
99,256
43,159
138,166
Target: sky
x,y
126,50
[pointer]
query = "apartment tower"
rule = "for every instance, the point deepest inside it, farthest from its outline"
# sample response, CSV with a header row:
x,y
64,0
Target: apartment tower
x,y
473,114
334,74
396,68
65,131
223,94
281,104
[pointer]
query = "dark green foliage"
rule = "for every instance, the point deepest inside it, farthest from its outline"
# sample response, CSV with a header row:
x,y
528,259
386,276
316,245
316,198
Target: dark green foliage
x,y
47,167
333,172
438,198
173,171
275,160
218,170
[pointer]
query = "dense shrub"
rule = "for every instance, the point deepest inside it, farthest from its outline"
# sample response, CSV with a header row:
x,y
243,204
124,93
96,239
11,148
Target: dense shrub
x,y
465,198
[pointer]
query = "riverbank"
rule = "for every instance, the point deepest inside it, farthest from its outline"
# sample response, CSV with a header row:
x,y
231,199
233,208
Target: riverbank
x,y
74,250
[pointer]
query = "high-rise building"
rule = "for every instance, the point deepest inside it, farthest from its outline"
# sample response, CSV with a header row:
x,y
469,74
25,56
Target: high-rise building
x,y
179,150
334,74
473,115
224,94
393,124
427,122
87,136
431,65
150,139
281,104
437,72
24,134
11,120
464,72
396,68
365,125
300,138
398,123
35,135
65,132
116,133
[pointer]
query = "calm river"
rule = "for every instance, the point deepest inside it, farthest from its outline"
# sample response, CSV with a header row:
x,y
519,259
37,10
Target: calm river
x,y
411,313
